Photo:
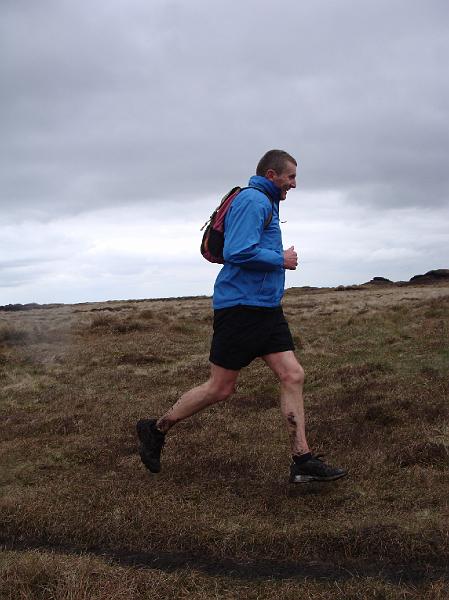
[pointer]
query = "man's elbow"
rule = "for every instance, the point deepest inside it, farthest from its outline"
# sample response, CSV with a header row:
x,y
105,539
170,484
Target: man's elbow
x,y
236,257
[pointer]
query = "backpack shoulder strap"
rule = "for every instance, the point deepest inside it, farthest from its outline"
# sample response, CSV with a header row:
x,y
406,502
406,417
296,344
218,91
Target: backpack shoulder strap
x,y
270,216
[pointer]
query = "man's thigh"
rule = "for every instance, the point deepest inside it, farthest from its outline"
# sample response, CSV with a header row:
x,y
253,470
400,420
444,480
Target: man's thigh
x,y
222,378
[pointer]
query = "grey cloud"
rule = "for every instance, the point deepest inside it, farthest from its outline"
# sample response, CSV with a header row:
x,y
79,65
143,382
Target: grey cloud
x,y
20,272
120,102
20,262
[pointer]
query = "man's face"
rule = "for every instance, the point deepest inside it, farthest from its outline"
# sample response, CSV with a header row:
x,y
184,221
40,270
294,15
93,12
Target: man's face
x,y
284,180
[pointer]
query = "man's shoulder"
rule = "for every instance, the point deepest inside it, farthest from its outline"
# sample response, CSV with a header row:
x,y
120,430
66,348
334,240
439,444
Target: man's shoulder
x,y
254,197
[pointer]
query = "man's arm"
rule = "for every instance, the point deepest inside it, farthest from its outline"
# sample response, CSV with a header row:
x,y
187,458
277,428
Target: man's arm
x,y
244,228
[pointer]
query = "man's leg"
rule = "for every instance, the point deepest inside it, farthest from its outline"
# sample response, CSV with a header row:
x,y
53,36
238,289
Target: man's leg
x,y
291,376
220,385
305,466
151,432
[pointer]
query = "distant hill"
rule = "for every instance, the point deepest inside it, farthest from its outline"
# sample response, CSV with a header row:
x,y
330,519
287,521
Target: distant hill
x,y
29,306
434,276
431,276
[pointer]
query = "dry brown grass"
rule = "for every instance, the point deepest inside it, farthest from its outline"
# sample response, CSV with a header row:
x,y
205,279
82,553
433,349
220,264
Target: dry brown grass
x,y
220,521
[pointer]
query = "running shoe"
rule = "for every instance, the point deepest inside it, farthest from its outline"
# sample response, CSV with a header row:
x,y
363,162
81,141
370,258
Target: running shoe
x,y
151,443
315,469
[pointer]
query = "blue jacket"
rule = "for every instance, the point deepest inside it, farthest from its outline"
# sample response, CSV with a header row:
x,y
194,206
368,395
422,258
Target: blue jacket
x,y
253,273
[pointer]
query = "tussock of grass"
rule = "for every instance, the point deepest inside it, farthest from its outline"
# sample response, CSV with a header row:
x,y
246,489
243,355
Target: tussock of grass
x,y
12,335
377,384
184,328
427,453
114,325
100,322
127,327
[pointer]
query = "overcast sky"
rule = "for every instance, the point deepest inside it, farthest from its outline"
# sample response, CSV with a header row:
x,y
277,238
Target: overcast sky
x,y
123,122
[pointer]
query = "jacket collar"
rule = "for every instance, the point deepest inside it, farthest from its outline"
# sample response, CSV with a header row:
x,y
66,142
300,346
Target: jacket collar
x,y
266,185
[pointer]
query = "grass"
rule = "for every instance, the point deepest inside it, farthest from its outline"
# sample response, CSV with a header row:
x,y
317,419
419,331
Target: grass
x,y
81,518
12,335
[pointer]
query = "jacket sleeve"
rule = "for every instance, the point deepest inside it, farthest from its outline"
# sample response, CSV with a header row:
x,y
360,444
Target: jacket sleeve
x,y
243,231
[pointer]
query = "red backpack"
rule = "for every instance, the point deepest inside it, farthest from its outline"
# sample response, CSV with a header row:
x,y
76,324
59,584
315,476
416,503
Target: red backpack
x,y
213,237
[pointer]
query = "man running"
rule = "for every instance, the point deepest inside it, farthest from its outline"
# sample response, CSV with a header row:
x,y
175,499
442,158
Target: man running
x,y
249,322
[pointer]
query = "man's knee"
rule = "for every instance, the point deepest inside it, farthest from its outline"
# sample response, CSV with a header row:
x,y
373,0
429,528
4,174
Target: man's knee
x,y
221,390
294,375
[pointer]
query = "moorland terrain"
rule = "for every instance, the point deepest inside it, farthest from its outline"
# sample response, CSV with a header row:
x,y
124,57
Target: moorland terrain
x,y
81,518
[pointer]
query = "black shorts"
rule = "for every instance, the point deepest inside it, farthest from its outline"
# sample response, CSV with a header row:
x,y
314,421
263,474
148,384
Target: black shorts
x,y
242,333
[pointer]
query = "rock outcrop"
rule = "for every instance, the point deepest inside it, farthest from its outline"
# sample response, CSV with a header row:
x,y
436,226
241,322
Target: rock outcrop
x,y
379,281
433,276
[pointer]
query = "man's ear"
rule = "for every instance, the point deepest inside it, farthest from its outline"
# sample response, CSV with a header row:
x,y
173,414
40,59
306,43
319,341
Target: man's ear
x,y
270,174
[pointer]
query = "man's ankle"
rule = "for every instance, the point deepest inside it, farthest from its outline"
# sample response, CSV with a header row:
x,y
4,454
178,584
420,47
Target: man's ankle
x,y
158,429
299,459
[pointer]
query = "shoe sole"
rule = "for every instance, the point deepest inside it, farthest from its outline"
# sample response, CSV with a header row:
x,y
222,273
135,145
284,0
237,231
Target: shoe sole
x,y
310,478
147,462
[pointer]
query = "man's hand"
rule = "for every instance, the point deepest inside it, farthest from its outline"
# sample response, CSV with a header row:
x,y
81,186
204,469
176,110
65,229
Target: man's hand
x,y
290,258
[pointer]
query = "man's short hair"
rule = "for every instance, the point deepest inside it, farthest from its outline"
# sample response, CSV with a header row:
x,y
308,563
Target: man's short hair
x,y
276,160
